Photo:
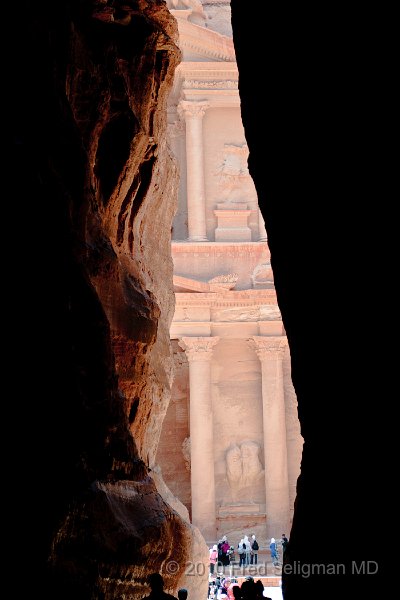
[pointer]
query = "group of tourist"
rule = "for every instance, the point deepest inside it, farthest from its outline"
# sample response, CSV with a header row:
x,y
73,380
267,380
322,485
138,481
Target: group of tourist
x,y
223,554
248,551
230,589
219,586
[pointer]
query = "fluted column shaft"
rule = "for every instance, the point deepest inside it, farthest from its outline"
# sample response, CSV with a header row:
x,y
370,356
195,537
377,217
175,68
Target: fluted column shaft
x,y
270,351
193,113
199,352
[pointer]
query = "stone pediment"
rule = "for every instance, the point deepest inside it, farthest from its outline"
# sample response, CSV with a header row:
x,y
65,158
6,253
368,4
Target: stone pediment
x,y
220,283
203,43
190,10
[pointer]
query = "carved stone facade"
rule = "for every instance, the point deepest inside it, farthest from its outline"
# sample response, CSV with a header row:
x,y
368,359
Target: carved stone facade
x,y
243,470
231,443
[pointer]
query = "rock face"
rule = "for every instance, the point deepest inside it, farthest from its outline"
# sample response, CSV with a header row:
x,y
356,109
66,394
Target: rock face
x,y
91,142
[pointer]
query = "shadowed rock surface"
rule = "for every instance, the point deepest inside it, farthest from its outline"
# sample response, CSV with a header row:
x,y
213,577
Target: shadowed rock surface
x,y
316,155
96,183
89,308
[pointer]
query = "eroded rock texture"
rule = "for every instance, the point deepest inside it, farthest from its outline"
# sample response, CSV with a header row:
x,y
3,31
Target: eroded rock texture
x,y
315,141
98,190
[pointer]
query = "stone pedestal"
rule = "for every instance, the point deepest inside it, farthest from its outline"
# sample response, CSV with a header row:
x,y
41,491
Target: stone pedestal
x,y
237,509
199,352
235,519
270,351
232,223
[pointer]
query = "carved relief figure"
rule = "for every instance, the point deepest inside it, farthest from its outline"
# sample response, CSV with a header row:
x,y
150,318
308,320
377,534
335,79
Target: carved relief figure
x,y
186,452
235,182
234,466
243,467
232,171
252,467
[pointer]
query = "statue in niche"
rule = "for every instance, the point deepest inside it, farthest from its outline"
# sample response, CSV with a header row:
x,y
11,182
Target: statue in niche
x,y
243,468
234,469
235,182
252,467
186,452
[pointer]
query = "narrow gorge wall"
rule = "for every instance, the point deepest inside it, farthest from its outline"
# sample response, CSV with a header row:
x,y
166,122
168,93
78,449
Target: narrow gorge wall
x,y
319,159
97,186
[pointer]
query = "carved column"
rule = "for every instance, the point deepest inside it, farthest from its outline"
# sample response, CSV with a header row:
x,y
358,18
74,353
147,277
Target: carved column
x,y
199,351
193,113
262,233
270,351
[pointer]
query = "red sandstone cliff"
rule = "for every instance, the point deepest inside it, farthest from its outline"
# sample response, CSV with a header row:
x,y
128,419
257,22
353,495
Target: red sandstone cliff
x,y
94,143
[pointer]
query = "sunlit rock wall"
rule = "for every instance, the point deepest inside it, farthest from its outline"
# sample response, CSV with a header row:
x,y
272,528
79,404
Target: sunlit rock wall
x,y
99,74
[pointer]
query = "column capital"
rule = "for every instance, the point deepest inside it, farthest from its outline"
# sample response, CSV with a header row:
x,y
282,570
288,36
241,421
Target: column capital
x,y
198,348
268,347
188,109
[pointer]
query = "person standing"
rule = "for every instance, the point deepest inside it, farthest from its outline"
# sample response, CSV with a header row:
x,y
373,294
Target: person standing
x,y
156,583
284,542
230,592
213,558
242,553
254,550
274,551
225,552
247,549
225,585
212,588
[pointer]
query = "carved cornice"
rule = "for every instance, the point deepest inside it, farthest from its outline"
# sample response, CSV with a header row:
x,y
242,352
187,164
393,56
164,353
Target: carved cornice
x,y
209,43
189,109
198,84
229,298
231,212
268,348
198,348
207,71
219,248
210,79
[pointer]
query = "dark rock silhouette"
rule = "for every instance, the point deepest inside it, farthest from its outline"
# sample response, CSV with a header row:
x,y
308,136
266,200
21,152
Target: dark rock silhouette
x,y
314,137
